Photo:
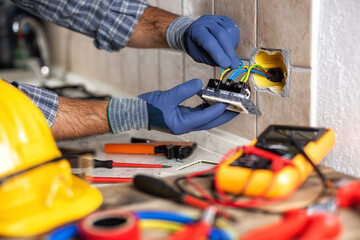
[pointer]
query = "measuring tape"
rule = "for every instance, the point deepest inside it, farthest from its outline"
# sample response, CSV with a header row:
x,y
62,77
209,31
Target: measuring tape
x,y
110,225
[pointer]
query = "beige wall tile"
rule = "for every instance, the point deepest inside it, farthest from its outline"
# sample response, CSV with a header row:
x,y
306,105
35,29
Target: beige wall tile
x,y
243,125
153,2
129,70
79,60
171,69
286,25
174,6
197,70
99,64
243,14
115,71
59,43
197,8
291,111
149,70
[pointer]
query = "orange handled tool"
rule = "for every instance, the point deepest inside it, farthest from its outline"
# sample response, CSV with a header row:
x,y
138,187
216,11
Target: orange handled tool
x,y
198,230
298,223
178,150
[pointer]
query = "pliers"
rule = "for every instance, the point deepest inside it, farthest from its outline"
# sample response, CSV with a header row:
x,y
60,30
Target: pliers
x,y
314,222
177,150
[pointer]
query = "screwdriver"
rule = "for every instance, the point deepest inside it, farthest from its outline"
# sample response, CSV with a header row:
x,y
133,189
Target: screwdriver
x,y
198,230
108,179
111,164
156,187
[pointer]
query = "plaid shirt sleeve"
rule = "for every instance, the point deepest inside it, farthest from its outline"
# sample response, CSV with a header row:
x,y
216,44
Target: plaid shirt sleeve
x,y
46,100
109,22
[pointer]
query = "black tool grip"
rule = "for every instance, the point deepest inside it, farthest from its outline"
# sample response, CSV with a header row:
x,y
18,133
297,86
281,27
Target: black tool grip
x,y
156,187
103,164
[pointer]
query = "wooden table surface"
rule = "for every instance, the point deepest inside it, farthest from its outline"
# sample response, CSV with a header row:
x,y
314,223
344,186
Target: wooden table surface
x,y
127,197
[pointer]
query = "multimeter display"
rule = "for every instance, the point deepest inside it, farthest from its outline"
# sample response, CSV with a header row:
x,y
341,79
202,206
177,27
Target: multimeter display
x,y
279,140
259,172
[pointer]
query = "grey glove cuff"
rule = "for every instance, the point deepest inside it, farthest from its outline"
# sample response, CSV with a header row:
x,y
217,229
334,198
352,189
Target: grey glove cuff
x,y
127,113
176,31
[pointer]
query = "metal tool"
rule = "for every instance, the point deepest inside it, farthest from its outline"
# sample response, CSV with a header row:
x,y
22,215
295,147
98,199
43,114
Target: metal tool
x,y
300,224
177,150
107,179
198,230
318,221
111,164
159,188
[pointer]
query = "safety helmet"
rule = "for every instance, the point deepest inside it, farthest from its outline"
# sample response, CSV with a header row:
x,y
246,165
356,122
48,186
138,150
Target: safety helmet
x,y
37,190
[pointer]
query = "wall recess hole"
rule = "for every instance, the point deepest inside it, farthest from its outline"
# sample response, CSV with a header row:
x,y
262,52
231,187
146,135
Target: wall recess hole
x,y
274,61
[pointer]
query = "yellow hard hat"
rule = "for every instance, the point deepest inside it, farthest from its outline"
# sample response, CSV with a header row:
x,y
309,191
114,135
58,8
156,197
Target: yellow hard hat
x,y
37,190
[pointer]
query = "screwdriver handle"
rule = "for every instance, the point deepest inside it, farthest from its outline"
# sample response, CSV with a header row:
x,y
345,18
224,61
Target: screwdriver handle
x,y
156,187
103,164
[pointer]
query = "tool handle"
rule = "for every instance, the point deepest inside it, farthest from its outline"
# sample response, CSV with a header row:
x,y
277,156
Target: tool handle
x,y
292,224
109,180
103,164
134,148
322,226
194,231
348,195
156,187
193,201
137,165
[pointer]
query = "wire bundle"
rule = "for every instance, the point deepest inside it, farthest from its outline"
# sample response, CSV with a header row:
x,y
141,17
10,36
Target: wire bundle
x,y
243,69
223,199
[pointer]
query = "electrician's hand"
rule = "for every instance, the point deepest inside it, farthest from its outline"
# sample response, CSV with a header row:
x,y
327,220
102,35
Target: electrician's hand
x,y
212,40
165,113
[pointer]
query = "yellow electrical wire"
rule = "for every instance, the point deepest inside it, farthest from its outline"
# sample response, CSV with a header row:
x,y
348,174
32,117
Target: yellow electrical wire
x,y
223,73
158,224
246,76
173,226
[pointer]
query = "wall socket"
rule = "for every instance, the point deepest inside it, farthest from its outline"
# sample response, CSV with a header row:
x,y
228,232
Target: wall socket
x,y
272,60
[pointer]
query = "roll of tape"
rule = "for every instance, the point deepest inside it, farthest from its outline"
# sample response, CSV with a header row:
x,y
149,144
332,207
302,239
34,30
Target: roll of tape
x,y
110,224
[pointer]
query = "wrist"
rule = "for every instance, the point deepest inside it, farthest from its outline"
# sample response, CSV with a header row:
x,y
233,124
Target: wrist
x,y
156,119
176,31
125,114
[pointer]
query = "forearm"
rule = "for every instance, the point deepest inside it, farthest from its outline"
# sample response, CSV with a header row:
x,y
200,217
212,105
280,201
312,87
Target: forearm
x,y
77,118
150,31
80,118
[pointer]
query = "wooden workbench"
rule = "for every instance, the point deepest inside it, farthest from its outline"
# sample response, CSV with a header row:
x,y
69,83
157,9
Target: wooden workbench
x,y
127,197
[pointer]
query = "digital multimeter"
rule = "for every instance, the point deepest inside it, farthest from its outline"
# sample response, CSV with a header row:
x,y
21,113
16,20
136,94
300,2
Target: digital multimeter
x,y
275,164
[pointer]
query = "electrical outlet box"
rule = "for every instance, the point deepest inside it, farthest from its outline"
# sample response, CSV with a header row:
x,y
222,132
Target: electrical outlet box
x,y
272,59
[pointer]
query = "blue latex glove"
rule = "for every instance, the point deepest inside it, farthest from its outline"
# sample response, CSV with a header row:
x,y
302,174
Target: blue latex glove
x,y
212,40
165,113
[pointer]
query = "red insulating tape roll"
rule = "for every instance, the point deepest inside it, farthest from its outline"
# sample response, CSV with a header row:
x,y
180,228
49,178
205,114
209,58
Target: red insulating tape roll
x,y
110,224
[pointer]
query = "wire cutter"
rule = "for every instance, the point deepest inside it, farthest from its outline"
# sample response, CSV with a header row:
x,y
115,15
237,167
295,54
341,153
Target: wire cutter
x,y
177,150
318,221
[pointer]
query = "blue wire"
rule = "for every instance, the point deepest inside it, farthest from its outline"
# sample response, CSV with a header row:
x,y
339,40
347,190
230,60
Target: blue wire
x,y
237,70
245,70
241,65
64,233
237,74
215,234
255,71
164,215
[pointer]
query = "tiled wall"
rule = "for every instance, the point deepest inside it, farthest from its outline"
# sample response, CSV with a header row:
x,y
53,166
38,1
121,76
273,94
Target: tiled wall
x,y
263,23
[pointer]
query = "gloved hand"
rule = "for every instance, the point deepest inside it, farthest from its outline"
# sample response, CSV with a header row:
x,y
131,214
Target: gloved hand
x,y
212,40
165,113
